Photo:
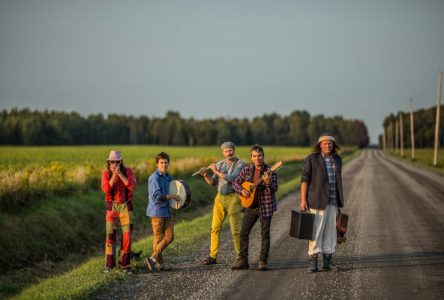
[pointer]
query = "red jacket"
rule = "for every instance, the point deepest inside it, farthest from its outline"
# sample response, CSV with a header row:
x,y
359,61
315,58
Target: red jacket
x,y
119,193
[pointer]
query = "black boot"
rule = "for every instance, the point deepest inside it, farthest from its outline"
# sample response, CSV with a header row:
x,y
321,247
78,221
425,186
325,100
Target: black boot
x,y
314,263
327,263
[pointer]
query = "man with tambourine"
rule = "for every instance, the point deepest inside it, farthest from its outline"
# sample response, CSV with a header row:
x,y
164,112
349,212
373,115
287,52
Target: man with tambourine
x,y
159,211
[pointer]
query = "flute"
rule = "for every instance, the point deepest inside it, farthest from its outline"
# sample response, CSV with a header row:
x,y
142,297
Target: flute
x,y
206,168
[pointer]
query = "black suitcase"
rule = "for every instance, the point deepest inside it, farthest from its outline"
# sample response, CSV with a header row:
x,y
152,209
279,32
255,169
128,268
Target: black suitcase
x,y
301,225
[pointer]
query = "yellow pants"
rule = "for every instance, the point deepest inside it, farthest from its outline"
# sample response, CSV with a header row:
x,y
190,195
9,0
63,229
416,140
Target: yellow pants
x,y
226,205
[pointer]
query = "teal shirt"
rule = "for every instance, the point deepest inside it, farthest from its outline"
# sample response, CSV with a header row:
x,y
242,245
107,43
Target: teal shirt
x,y
230,172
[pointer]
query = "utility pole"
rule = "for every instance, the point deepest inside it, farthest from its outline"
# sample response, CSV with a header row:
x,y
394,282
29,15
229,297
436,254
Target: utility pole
x,y
401,133
396,136
392,141
412,133
383,138
438,105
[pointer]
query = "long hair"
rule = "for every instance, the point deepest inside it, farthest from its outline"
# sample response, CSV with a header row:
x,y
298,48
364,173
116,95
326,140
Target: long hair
x,y
122,167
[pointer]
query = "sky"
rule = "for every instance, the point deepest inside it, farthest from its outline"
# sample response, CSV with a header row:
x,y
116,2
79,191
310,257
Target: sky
x,y
207,59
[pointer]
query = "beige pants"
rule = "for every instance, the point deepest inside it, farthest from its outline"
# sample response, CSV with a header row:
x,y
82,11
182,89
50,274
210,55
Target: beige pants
x,y
324,231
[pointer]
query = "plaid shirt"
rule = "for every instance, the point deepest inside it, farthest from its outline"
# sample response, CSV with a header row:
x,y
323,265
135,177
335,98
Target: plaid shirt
x,y
330,164
117,193
267,198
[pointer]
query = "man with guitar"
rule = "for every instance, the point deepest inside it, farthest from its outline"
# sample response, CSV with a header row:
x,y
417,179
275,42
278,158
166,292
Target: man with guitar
x,y
226,202
263,204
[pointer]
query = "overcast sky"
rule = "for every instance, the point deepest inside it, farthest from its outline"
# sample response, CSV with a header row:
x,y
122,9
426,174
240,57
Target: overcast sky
x,y
358,59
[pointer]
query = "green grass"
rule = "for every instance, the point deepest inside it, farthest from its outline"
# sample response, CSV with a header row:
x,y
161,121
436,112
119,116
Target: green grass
x,y
423,157
14,157
31,174
87,278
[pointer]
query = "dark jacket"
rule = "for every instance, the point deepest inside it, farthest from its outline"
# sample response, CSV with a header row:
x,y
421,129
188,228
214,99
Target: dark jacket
x,y
315,174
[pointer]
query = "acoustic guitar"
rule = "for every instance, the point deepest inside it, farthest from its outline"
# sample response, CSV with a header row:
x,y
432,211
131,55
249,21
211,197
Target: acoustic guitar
x,y
251,187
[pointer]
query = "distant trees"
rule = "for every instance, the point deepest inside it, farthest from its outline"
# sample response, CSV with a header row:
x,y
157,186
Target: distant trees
x,y
424,123
26,127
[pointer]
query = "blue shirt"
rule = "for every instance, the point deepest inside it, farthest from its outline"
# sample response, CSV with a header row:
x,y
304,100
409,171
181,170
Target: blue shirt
x,y
158,185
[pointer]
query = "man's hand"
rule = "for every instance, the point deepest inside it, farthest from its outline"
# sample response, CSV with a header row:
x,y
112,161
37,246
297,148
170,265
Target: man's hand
x,y
266,177
245,193
203,172
304,205
213,168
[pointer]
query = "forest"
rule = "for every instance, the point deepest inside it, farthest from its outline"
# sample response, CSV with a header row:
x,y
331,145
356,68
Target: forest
x,y
424,127
27,127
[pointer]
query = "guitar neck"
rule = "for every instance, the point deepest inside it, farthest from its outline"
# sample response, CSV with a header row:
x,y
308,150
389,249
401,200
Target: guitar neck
x,y
256,184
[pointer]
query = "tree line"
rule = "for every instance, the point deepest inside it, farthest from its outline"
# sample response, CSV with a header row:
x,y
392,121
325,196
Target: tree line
x,y
424,127
26,127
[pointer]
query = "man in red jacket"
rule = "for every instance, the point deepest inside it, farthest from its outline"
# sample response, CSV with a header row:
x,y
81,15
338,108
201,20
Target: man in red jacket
x,y
118,184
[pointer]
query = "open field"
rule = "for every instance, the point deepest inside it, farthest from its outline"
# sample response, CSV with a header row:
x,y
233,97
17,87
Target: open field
x,y
72,156
28,174
423,157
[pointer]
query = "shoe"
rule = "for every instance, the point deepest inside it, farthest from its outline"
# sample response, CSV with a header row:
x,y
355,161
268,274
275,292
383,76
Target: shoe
x,y
209,261
240,264
314,263
262,266
107,270
327,263
163,267
127,271
151,264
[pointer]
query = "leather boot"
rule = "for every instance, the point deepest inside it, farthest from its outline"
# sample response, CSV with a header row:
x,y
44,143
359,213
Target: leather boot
x,y
327,263
314,263
240,264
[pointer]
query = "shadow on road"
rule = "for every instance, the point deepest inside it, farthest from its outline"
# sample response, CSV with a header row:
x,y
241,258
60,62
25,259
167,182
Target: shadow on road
x,y
370,261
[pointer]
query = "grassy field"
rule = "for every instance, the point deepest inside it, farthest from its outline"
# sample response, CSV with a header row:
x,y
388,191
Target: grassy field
x,y
423,157
72,156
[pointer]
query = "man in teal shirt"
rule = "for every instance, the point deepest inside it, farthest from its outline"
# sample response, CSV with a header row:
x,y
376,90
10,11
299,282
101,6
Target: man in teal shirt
x,y
226,202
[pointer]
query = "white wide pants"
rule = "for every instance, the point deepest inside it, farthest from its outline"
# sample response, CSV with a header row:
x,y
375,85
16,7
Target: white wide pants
x,y
324,231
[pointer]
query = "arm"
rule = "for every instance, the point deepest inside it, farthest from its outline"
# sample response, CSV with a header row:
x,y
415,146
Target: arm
x,y
209,180
129,181
107,182
237,183
304,190
305,182
270,181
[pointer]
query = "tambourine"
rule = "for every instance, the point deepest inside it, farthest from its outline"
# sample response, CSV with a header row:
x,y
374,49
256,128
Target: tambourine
x,y
179,187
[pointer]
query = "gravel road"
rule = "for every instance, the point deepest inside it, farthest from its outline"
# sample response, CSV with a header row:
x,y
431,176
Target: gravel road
x,y
395,247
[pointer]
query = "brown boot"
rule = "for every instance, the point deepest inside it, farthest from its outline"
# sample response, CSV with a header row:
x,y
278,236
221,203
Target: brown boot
x,y
262,266
209,261
240,264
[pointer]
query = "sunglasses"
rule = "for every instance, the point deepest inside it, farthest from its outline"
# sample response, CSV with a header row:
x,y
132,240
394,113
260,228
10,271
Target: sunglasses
x,y
114,161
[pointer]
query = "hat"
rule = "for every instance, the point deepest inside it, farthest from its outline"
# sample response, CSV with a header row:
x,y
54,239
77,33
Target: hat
x,y
115,155
326,136
226,145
